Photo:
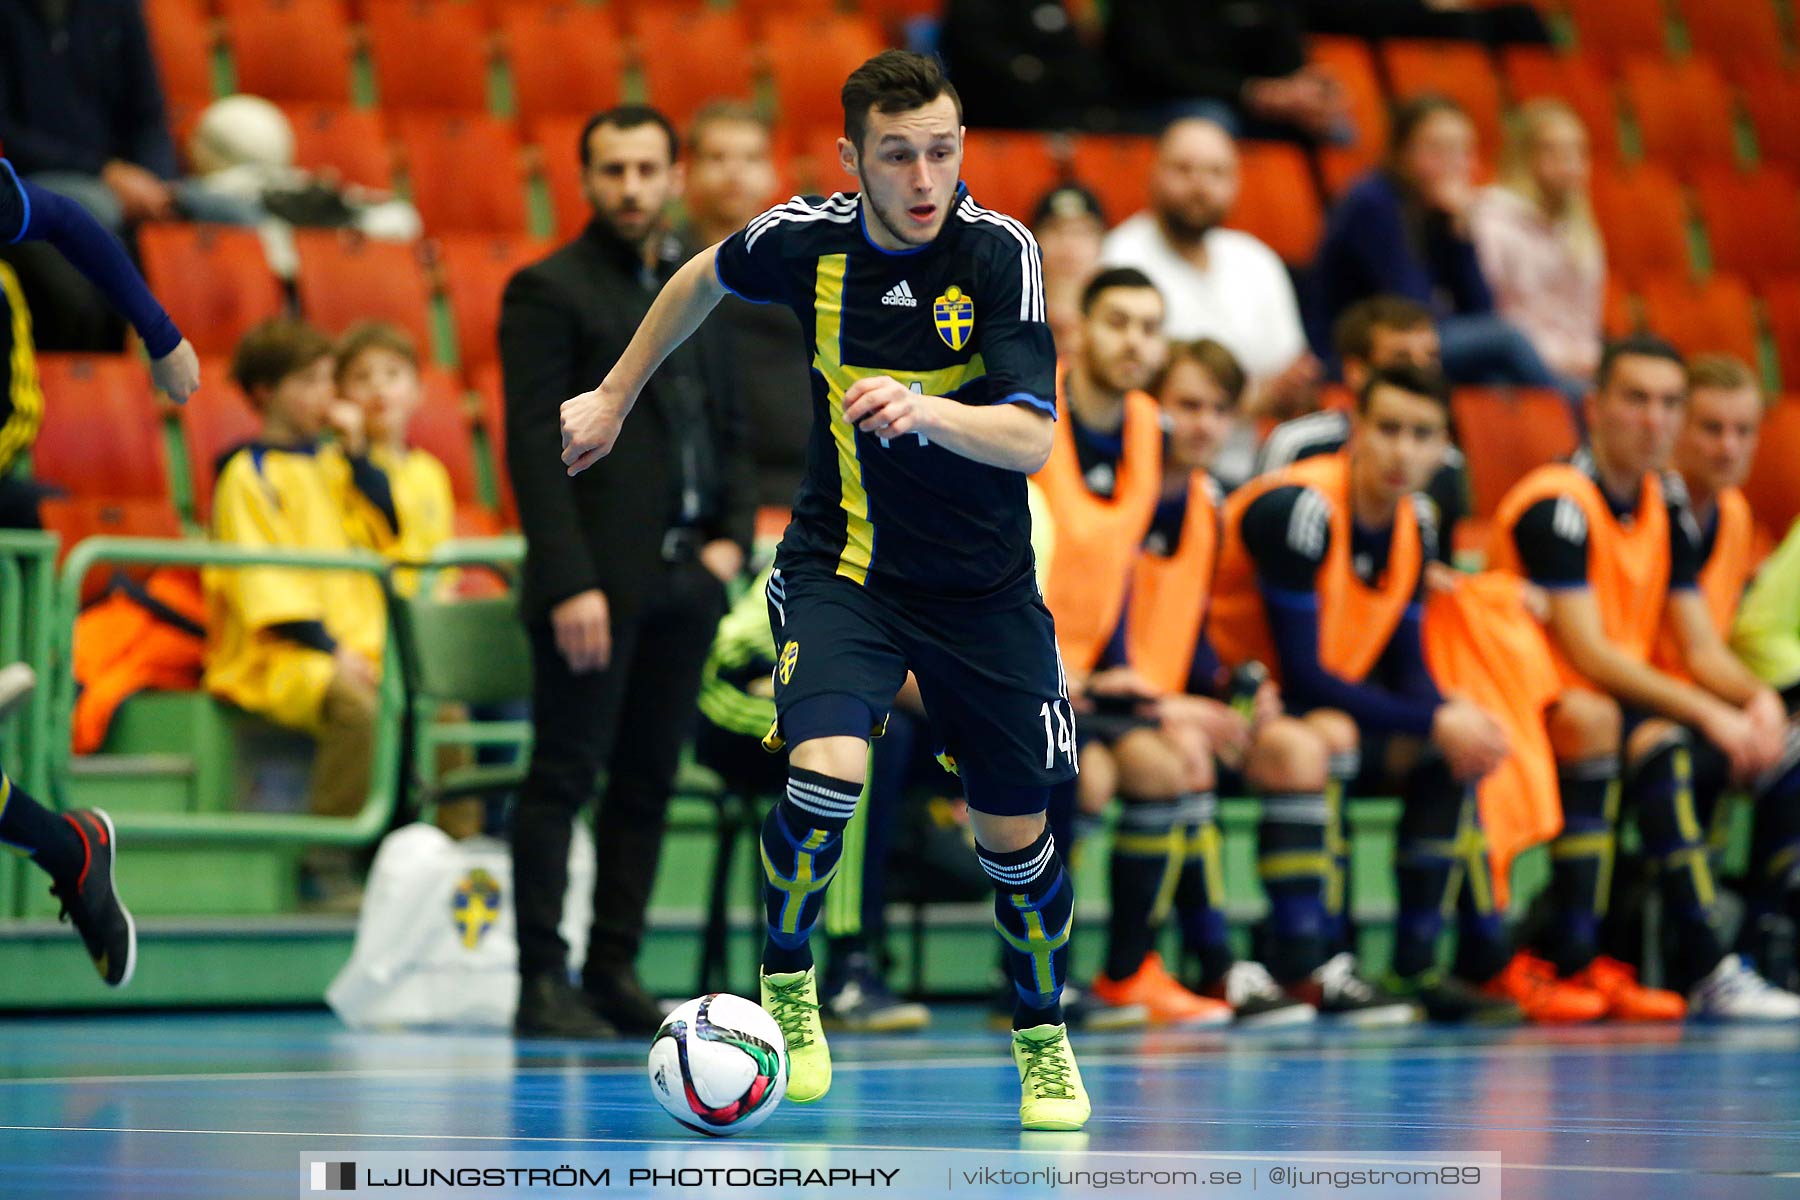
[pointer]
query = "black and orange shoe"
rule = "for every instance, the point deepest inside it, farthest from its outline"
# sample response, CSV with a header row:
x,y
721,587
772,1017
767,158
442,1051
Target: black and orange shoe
x,y
90,899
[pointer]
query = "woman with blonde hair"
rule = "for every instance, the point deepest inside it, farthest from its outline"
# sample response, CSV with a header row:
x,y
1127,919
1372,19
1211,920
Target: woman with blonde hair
x,y
1539,246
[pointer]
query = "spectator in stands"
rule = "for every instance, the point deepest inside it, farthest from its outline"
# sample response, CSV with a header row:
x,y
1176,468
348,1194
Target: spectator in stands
x,y
1539,247
29,213
82,114
1069,225
625,570
1240,63
1404,230
731,178
302,648
1220,283
1025,64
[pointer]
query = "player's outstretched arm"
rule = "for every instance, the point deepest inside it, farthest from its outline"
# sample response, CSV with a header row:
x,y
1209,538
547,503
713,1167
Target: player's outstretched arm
x,y
1010,436
592,420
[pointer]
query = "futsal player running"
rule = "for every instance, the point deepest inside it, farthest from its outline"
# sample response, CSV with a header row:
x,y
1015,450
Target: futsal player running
x,y
933,378
75,849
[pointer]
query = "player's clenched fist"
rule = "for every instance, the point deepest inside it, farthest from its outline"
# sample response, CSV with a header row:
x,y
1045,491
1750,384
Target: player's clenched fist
x,y
590,426
884,406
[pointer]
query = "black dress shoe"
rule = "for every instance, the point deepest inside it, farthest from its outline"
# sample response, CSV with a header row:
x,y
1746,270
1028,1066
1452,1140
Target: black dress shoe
x,y
550,1008
621,999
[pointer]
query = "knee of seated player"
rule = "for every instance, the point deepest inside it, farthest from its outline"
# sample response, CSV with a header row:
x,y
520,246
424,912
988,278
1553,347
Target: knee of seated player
x,y
1288,755
1150,766
1003,834
841,757
1584,724
1098,781
350,703
1339,731
1648,738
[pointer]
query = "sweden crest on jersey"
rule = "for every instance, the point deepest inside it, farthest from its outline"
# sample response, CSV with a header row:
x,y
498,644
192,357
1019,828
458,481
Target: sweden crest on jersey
x,y
954,315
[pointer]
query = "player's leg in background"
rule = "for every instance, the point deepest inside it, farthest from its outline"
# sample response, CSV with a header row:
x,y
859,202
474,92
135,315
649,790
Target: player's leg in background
x,y
1284,767
1769,929
1297,857
76,850
1584,730
1147,855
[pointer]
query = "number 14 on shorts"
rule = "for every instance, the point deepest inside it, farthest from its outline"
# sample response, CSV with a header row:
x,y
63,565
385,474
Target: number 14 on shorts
x,y
1059,731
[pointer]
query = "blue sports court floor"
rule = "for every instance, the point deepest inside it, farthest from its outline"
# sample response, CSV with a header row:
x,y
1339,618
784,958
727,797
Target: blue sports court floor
x,y
220,1105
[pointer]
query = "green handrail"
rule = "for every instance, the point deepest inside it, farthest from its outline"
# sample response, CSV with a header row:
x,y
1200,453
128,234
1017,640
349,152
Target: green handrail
x,y
27,586
234,828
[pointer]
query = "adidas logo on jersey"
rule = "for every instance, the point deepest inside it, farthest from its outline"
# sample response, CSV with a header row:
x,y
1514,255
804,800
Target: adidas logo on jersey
x,y
901,294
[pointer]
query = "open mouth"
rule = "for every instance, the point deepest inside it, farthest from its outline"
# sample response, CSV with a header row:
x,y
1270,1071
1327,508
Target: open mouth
x,y
922,212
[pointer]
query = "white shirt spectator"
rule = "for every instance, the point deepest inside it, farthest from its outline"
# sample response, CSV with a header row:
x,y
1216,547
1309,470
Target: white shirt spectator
x,y
1244,299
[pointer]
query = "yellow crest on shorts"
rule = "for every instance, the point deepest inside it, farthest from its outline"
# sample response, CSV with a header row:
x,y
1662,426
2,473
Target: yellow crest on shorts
x,y
790,654
954,315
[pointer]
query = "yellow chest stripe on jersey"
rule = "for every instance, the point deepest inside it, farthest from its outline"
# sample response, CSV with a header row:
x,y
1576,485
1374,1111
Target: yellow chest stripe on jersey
x,y
828,361
21,427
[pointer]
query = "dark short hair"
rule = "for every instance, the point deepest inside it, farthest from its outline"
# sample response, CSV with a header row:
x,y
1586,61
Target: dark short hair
x,y
1410,378
1070,199
627,116
893,81
374,335
1216,360
275,349
1114,277
1353,336
1642,344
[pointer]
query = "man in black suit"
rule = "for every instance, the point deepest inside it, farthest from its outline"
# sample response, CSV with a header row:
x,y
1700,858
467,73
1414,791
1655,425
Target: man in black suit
x,y
625,572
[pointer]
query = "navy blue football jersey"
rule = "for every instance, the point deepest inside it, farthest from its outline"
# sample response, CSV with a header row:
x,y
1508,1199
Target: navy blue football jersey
x,y
962,317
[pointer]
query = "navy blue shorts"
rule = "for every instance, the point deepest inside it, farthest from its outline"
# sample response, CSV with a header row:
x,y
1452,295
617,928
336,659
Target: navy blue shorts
x,y
992,682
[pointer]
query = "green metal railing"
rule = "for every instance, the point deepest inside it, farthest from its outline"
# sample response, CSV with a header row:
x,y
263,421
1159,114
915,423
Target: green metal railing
x,y
228,828
27,588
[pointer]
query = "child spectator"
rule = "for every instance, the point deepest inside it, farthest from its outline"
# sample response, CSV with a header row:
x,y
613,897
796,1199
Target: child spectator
x,y
300,647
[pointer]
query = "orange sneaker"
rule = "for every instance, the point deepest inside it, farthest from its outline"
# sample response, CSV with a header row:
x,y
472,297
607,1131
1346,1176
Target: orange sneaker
x,y
1162,995
1626,998
1531,983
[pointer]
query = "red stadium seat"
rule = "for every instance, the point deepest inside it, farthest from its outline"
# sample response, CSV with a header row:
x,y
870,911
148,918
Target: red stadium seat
x,y
1773,488
351,143
672,41
1752,221
345,279
1772,98
1008,171
216,419
1116,167
490,389
1683,113
809,58
181,37
290,49
465,170
1278,201
1463,71
102,435
1643,220
1716,316
1349,61
1535,72
441,427
213,279
558,142
762,10
564,59
1781,301
475,273
1507,434
1743,36
1617,315
428,54
74,519
1610,30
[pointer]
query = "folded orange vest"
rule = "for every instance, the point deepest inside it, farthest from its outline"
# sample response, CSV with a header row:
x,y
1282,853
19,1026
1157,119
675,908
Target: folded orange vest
x,y
137,636
1481,642
1169,595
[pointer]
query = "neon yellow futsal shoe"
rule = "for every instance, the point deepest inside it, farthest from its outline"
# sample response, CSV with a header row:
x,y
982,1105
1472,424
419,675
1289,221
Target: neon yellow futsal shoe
x,y
1050,1091
793,1000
